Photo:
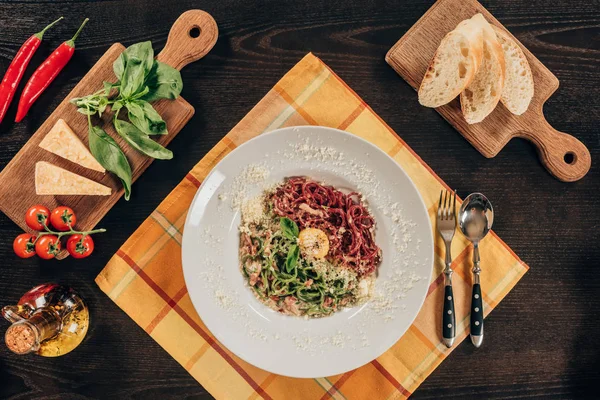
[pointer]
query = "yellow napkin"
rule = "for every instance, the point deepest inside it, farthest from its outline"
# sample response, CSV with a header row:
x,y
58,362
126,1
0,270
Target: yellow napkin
x,y
145,277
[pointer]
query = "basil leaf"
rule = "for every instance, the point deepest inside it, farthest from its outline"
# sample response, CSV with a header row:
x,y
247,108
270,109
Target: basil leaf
x,y
142,52
133,78
110,156
140,141
132,67
145,118
292,258
289,228
119,66
108,87
164,82
140,94
102,104
85,111
116,107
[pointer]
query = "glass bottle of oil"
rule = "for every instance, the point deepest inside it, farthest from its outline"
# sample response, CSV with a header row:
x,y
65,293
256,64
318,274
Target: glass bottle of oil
x,y
49,320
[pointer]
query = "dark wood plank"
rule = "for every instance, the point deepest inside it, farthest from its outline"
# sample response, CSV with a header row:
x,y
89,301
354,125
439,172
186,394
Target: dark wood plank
x,y
540,340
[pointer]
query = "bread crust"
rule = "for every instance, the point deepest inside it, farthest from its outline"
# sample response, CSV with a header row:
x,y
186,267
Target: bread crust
x,y
474,37
516,107
497,56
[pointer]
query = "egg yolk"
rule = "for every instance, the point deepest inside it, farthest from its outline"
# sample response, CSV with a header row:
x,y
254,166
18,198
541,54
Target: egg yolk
x,y
313,242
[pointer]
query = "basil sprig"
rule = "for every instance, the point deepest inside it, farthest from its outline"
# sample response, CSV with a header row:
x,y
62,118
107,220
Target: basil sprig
x,y
140,80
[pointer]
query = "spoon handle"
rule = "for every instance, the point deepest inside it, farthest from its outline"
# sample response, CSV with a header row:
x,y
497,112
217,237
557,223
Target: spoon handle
x,y
476,302
476,316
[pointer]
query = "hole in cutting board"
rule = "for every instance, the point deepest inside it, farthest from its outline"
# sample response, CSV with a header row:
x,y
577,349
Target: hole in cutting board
x,y
570,157
194,32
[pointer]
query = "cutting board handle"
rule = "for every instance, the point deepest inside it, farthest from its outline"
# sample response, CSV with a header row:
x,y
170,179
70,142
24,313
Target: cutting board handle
x,y
191,37
562,154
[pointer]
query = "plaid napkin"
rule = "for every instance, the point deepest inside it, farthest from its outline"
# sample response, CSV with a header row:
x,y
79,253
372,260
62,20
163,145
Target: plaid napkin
x,y
145,277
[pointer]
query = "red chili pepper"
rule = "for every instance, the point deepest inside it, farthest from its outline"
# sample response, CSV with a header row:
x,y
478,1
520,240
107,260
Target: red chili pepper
x,y
45,74
17,67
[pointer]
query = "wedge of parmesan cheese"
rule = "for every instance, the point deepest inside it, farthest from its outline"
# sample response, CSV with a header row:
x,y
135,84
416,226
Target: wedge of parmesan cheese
x,y
53,180
62,141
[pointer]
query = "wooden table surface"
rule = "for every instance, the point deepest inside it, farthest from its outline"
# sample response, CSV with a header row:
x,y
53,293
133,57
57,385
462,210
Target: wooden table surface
x,y
541,341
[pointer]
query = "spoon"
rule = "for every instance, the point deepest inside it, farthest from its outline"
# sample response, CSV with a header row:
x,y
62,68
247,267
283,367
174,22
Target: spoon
x,y
475,220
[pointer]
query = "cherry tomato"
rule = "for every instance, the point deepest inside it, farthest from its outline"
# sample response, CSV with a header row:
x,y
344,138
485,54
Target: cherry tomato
x,y
47,247
62,217
23,245
80,246
36,216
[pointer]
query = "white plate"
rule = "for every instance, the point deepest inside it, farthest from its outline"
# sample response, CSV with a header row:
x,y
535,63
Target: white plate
x,y
294,346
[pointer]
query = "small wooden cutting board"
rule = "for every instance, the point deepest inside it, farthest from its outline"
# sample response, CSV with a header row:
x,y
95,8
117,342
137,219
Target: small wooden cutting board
x,y
563,155
17,180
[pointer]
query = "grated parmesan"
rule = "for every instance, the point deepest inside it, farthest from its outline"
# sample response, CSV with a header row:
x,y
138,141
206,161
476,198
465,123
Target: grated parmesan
x,y
253,210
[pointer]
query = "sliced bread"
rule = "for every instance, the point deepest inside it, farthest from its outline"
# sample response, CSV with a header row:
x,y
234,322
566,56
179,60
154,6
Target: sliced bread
x,y
482,95
518,83
453,66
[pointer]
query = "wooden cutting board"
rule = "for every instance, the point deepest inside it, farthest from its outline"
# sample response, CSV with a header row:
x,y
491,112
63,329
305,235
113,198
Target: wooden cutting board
x,y
563,155
17,180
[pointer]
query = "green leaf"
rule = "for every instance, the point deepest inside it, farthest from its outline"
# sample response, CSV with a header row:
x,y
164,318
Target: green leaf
x,y
140,141
133,79
142,52
108,87
103,103
92,104
116,107
140,94
132,67
85,111
164,82
145,118
292,258
110,156
289,228
119,66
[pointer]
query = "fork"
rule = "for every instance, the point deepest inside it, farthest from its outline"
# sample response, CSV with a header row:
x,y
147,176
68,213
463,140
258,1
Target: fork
x,y
446,225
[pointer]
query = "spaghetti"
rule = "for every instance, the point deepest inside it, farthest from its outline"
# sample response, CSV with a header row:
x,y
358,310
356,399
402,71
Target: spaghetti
x,y
346,220
308,249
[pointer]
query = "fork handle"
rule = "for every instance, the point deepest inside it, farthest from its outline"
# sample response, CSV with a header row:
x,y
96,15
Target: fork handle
x,y
448,318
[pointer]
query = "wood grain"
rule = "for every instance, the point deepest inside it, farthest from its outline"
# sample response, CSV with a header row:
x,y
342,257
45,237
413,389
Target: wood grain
x,y
563,155
539,340
17,178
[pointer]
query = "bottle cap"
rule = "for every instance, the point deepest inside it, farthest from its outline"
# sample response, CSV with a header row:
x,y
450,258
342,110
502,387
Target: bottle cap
x,y
20,338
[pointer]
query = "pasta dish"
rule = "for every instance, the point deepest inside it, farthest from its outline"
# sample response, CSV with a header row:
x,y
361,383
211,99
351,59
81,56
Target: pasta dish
x,y
308,249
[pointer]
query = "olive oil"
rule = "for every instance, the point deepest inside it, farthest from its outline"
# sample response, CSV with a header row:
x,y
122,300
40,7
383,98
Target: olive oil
x,y
50,320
